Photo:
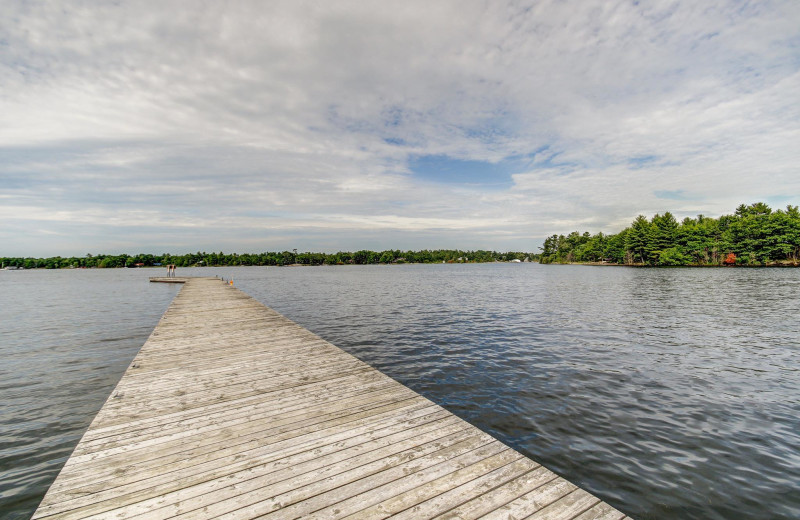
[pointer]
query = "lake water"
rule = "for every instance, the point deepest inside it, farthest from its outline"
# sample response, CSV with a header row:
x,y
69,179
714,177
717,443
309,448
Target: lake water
x,y
669,393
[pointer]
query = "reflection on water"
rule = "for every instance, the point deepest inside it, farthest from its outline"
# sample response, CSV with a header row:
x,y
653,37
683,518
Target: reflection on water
x,y
671,393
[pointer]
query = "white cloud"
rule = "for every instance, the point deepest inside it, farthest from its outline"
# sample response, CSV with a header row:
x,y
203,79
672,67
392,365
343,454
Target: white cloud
x,y
289,120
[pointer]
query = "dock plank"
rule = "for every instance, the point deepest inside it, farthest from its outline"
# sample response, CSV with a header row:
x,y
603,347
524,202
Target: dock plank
x,y
231,410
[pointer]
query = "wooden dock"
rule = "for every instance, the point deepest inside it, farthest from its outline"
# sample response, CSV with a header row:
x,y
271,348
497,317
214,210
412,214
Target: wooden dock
x,y
168,279
231,410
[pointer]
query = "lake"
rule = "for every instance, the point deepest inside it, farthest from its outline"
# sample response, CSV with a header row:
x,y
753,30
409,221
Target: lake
x,y
669,393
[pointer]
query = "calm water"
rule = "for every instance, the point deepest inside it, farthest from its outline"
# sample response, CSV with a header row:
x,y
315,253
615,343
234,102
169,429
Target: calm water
x,y
670,393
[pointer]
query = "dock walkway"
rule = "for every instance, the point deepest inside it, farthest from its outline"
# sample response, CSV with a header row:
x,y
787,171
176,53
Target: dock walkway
x,y
231,410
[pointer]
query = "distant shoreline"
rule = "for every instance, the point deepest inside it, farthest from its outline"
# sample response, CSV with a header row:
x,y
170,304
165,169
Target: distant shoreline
x,y
735,266
269,258
283,265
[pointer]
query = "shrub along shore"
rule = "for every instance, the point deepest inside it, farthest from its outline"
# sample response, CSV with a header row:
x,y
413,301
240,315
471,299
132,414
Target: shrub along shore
x,y
754,235
275,258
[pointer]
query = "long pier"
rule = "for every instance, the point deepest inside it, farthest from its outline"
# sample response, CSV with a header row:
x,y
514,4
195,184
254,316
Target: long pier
x,y
230,410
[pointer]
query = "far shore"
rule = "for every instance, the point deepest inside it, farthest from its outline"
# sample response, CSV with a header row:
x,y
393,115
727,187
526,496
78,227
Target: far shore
x,y
162,267
611,264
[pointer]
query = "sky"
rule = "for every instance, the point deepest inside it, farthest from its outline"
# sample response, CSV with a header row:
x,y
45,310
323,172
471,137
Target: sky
x,y
325,126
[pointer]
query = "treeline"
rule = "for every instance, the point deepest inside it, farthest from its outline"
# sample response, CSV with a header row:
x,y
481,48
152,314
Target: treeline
x,y
753,235
275,258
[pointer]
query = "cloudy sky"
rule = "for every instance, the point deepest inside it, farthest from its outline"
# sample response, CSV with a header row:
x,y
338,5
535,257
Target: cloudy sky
x,y
250,126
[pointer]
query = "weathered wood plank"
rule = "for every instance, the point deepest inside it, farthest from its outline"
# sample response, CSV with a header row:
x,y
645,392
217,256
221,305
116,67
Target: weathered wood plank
x,y
479,505
231,410
253,453
467,491
437,488
155,459
244,448
534,501
181,491
601,511
346,489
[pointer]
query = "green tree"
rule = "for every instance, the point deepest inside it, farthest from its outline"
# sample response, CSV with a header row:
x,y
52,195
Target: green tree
x,y
638,239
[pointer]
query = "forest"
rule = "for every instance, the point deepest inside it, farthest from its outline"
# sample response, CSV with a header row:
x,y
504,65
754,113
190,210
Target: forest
x,y
754,235
274,258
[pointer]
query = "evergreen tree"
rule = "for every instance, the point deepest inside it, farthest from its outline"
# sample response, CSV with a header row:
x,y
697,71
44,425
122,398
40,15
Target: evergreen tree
x,y
639,238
